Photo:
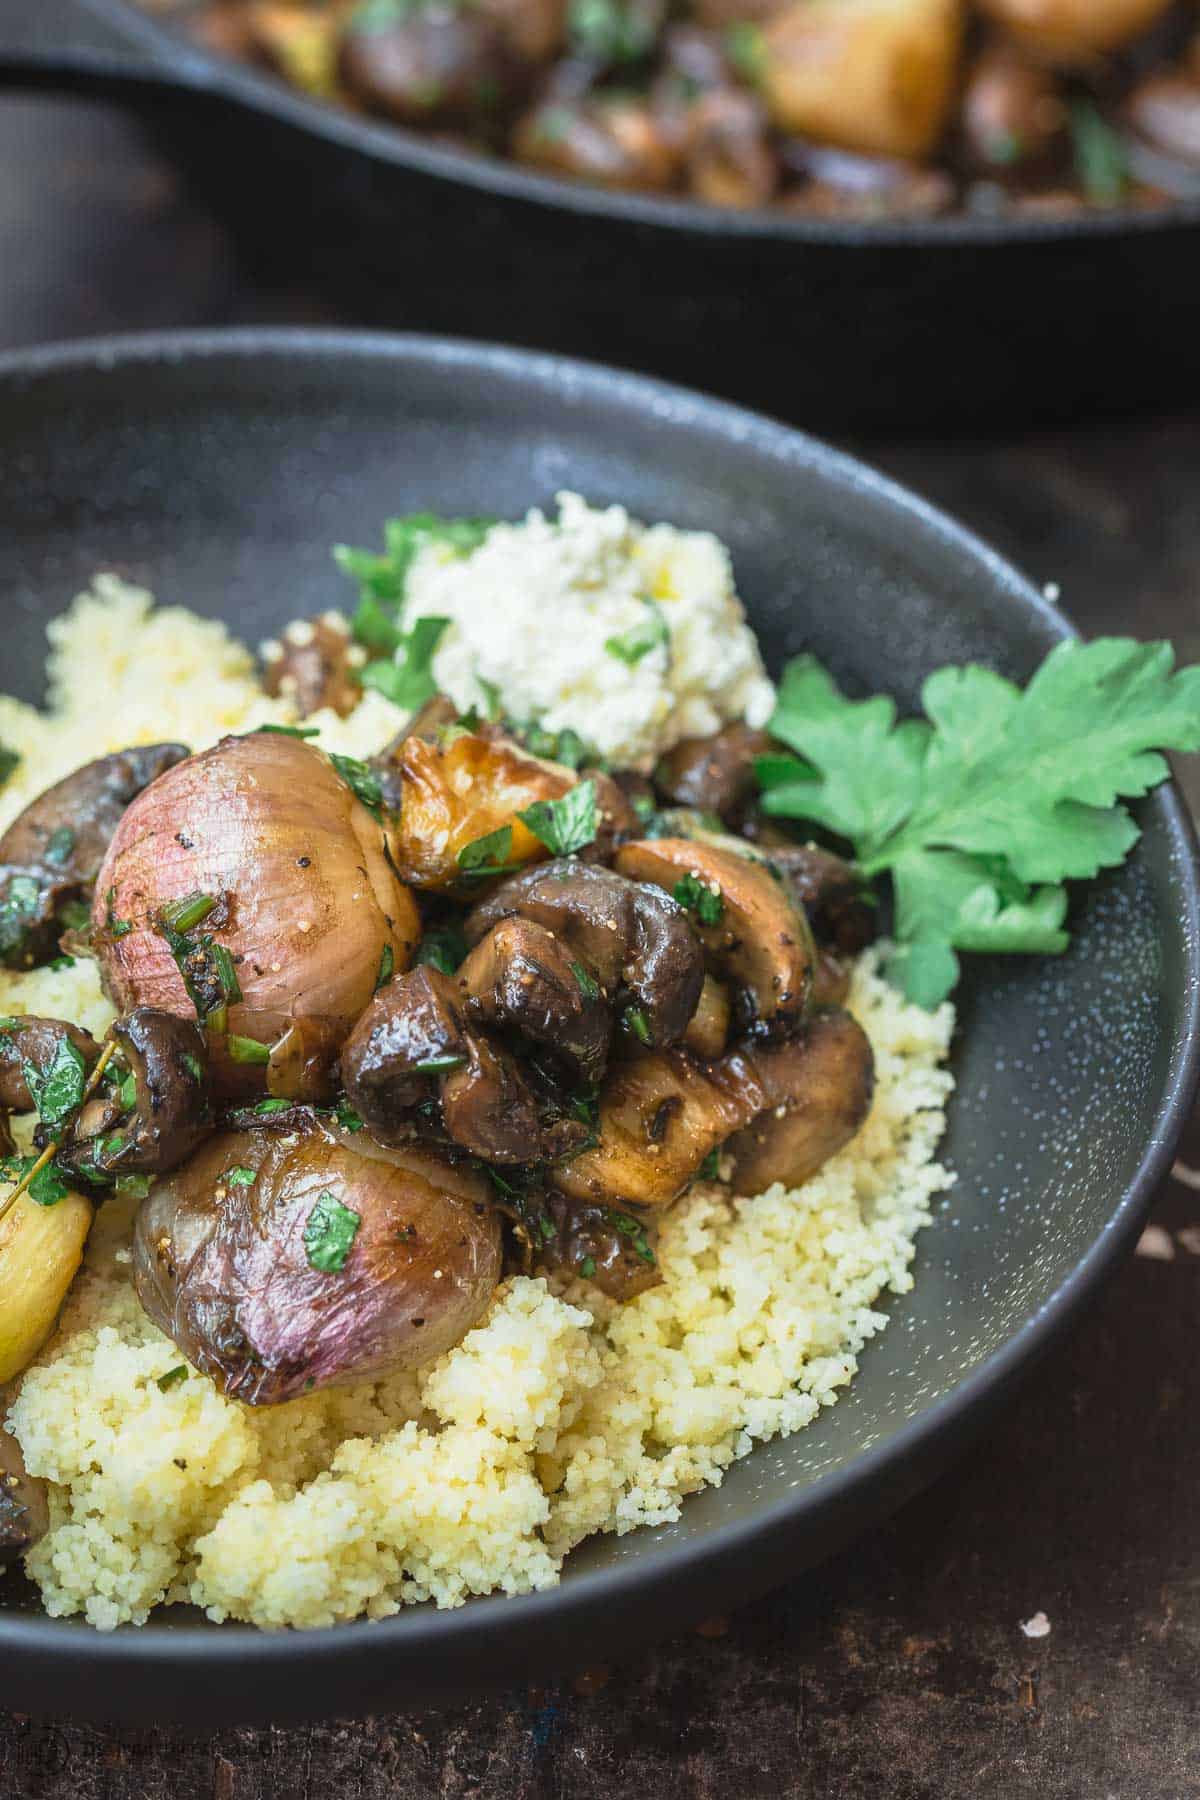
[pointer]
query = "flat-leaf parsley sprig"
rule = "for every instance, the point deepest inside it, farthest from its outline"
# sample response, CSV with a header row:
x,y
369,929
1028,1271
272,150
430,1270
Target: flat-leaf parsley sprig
x,y
981,810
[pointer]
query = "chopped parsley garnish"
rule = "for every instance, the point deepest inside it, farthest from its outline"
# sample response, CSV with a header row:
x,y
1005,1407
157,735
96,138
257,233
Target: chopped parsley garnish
x,y
981,810
565,747
116,928
58,963
1101,159
407,678
586,1107
240,1177
746,50
193,1065
710,1168
635,1231
589,987
135,1186
587,1267
697,897
57,1092
491,695
296,731
383,580
172,1378
439,1065
387,967
265,1107
10,762
362,781
247,1050
128,1092
443,948
346,1116
47,1187
638,1023
565,825
208,971
185,914
488,855
611,31
59,846
651,633
330,1231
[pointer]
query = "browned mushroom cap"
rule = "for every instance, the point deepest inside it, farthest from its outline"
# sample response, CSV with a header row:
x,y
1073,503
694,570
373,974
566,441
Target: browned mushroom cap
x,y
32,1046
434,64
412,1031
168,1059
290,1260
640,945
612,1249
24,1510
1012,111
314,665
815,1092
51,853
414,1059
730,157
712,774
836,899
708,1027
494,1108
611,140
521,978
661,1115
758,941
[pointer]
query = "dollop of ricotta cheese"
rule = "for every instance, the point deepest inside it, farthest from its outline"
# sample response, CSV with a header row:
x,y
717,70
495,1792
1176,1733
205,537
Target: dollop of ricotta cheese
x,y
633,636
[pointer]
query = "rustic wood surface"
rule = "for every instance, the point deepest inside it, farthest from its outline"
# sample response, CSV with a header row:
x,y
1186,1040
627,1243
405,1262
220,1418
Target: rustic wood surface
x,y
901,1669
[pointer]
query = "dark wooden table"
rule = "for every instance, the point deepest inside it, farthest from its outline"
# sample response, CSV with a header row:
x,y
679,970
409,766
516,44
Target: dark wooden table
x,y
901,1670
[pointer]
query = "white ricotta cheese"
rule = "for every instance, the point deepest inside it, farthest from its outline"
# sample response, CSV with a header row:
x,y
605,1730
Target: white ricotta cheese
x,y
540,611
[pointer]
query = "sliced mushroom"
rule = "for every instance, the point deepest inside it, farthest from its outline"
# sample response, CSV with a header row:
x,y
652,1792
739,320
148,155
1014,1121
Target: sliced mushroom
x,y
639,943
661,1115
32,1046
24,1506
836,899
815,1092
713,774
282,1261
51,853
167,1057
520,978
708,1027
315,665
758,940
612,140
414,1063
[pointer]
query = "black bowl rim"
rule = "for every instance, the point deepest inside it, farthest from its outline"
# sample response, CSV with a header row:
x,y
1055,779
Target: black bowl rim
x,y
208,71
187,1651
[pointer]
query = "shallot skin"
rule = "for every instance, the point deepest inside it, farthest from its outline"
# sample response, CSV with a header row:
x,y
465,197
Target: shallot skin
x,y
308,905
222,1265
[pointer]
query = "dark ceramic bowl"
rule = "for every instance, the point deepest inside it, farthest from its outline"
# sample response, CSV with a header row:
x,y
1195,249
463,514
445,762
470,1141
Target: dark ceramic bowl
x,y
220,470
889,323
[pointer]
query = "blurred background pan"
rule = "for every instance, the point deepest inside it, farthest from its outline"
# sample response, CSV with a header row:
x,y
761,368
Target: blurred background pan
x,y
957,321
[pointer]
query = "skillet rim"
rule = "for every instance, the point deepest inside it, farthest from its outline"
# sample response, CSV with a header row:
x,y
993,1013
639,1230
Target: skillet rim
x,y
206,71
493,1618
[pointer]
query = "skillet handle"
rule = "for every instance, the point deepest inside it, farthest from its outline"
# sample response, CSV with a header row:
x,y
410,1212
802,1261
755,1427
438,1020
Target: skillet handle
x,y
63,46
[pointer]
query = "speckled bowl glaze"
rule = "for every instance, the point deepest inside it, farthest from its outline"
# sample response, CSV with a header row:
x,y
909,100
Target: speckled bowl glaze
x,y
219,470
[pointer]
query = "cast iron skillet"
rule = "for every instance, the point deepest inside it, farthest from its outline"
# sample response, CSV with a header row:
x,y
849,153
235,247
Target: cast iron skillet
x,y
962,320
220,469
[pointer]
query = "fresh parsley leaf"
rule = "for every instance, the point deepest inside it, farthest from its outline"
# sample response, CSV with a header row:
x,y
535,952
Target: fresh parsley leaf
x,y
172,1378
710,1168
10,762
387,967
610,31
265,1107
128,1092
638,1024
587,1267
487,855
565,825
565,746
1101,159
383,579
443,948
362,780
695,896
651,633
982,812
635,1231
329,1232
240,1177
589,987
47,1187
346,1117
58,963
296,731
57,1092
407,680
746,50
